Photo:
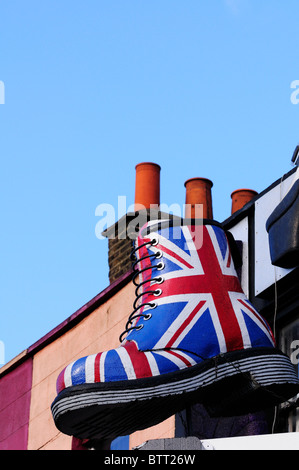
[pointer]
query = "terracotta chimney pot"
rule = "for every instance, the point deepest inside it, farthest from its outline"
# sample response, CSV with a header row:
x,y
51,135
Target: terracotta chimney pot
x,y
198,191
147,185
240,197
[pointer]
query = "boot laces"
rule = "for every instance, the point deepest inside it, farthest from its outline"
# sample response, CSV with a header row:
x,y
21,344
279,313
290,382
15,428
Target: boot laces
x,y
138,304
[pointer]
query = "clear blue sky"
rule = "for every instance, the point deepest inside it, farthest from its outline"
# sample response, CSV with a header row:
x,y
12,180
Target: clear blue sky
x,y
91,89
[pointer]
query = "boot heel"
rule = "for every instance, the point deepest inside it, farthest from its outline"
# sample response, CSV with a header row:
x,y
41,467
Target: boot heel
x,y
257,380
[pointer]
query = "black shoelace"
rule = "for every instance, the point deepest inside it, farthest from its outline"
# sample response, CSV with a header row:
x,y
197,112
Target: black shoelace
x,y
136,312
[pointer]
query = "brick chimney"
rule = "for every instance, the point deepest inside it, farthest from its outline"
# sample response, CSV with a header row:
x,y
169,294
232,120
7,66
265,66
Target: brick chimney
x,y
147,193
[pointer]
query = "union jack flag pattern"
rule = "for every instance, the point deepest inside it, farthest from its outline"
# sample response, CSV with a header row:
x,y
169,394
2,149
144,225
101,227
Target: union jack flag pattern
x,y
192,333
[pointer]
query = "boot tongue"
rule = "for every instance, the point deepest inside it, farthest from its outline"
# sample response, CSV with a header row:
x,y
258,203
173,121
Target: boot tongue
x,y
143,252
155,225
145,264
158,224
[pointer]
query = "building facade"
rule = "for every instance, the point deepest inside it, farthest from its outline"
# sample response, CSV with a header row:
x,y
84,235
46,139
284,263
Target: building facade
x,y
269,279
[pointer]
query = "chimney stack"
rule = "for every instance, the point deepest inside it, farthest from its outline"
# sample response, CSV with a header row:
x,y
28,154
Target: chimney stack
x,y
198,191
240,197
147,185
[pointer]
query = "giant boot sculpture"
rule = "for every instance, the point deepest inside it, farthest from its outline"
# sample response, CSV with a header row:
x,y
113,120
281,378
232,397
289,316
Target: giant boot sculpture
x,y
193,337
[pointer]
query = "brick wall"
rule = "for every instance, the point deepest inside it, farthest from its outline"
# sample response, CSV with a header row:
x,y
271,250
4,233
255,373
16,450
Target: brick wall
x,y
119,257
121,239
121,243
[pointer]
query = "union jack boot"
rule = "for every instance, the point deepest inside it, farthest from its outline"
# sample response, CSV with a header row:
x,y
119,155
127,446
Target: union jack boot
x,y
193,337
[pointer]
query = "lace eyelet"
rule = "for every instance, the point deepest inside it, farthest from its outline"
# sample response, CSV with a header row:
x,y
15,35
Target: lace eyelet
x,y
159,280
152,305
154,241
139,327
148,316
157,292
158,254
160,266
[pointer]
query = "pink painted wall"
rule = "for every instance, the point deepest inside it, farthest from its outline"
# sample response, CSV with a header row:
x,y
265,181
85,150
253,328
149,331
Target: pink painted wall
x,y
28,384
97,332
15,394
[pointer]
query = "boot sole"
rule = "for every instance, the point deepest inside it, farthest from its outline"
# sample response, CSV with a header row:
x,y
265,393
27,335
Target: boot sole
x,y
230,384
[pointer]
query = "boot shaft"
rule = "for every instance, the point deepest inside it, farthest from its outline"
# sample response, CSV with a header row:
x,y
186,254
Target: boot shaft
x,y
189,296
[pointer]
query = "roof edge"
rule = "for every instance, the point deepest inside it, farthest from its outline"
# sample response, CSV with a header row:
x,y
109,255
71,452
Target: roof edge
x,y
69,323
